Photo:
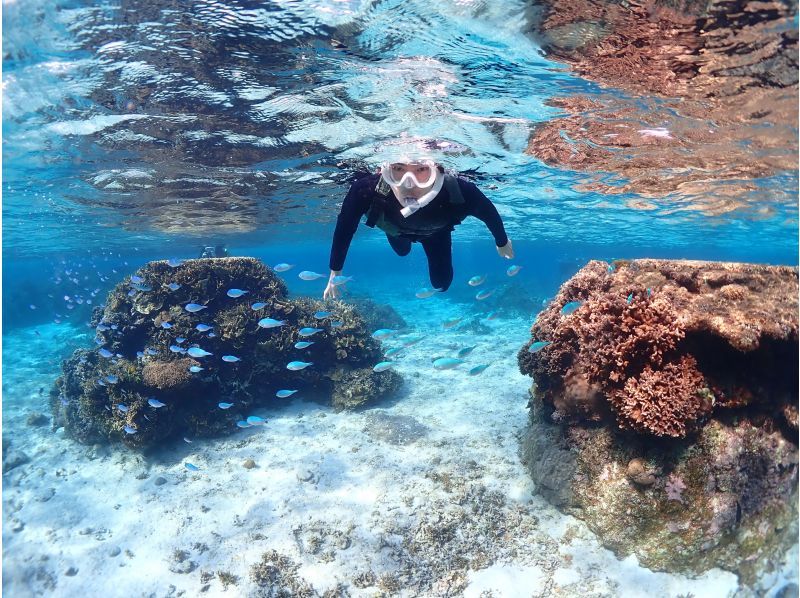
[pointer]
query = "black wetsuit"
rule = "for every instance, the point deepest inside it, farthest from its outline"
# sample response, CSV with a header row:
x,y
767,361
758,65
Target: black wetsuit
x,y
430,225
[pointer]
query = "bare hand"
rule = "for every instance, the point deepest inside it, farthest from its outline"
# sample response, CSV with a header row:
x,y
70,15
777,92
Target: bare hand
x,y
506,251
331,292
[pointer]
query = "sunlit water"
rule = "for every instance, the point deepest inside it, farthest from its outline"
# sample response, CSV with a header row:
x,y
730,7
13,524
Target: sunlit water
x,y
145,130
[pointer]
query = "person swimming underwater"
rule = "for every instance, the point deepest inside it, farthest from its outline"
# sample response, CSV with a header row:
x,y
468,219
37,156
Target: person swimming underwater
x,y
414,200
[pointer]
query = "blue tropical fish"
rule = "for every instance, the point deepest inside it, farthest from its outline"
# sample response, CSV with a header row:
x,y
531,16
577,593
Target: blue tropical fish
x,y
538,346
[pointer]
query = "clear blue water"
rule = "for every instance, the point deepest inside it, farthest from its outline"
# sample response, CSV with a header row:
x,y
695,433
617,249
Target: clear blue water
x,y
144,130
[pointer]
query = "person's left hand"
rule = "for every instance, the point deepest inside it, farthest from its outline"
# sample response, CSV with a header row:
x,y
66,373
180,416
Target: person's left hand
x,y
506,251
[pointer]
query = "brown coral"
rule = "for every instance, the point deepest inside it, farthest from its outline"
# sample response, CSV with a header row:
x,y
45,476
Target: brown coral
x,y
167,375
664,402
663,342
639,473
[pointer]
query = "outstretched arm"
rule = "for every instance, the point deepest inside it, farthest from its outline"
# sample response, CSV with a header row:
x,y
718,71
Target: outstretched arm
x,y
481,207
354,206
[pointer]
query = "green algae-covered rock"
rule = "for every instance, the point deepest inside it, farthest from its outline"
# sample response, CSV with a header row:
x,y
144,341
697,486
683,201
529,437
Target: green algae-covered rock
x,y
727,498
144,334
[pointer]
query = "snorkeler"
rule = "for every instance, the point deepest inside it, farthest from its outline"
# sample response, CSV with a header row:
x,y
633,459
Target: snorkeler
x,y
414,200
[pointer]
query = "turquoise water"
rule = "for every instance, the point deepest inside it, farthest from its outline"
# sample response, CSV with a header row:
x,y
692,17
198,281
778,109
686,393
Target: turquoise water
x,y
143,130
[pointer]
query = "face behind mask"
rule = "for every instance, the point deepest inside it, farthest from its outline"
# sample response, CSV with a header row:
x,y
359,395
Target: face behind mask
x,y
404,177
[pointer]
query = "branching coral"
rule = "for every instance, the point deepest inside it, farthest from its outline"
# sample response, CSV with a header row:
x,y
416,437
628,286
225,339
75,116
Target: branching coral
x,y
662,342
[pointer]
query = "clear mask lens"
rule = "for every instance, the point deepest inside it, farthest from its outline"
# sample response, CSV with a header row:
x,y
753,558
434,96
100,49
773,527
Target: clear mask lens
x,y
415,174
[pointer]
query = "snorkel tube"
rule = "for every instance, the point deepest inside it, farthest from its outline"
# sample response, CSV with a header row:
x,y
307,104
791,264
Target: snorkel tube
x,y
405,174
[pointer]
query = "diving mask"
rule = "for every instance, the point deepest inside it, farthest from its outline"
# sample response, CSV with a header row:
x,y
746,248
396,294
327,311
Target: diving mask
x,y
403,177
420,173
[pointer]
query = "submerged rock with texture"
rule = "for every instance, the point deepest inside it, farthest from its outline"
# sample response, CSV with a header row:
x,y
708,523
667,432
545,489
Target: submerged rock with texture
x,y
151,352
664,410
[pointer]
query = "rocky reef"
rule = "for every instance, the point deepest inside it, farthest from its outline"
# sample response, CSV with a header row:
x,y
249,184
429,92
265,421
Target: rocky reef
x,y
146,381
664,410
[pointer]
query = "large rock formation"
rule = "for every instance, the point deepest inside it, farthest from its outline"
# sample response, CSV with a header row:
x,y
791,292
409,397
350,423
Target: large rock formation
x,y
145,335
664,410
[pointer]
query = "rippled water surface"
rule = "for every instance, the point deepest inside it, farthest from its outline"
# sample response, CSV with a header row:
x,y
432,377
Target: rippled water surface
x,y
144,123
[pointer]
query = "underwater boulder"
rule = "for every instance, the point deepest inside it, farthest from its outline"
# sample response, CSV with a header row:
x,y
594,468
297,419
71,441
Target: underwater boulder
x,y
664,410
177,339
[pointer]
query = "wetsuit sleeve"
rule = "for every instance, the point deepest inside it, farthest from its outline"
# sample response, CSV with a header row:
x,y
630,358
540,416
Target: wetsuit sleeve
x,y
481,207
355,205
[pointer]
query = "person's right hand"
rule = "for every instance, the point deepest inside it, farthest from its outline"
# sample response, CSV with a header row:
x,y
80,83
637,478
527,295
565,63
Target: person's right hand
x,y
332,291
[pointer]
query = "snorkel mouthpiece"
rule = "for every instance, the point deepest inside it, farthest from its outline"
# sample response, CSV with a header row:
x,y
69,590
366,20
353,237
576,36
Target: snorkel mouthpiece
x,y
405,175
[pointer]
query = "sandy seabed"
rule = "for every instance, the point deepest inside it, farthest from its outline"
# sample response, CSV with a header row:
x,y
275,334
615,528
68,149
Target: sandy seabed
x,y
423,494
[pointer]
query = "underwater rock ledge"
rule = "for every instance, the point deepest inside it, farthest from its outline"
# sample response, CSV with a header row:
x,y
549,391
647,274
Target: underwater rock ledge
x,y
664,410
107,393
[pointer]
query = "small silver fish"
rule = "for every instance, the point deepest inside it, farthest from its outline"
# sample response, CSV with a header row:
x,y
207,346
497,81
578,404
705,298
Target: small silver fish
x,y
447,363
303,344
123,408
203,327
382,366
258,305
195,368
224,405
194,307
538,346
155,403
282,394
309,331
425,292
297,365
339,280
198,352
513,270
270,323
130,430
476,281
309,275
465,351
173,286
105,353
242,424
451,323
254,420
478,369
282,267
230,358
166,325
383,333
235,293
321,315
484,294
